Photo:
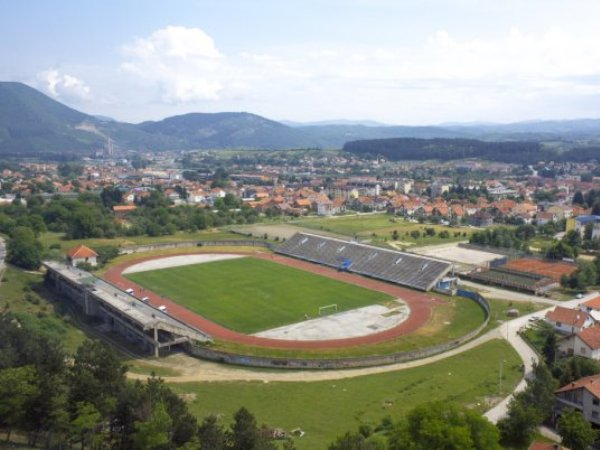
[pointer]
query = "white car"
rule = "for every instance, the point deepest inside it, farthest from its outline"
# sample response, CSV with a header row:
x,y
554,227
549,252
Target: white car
x,y
580,295
162,308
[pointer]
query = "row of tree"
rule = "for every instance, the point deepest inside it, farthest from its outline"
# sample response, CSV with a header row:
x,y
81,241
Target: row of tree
x,y
510,238
86,401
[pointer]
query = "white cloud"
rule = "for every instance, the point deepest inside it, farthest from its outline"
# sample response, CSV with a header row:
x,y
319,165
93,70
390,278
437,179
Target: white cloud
x,y
63,86
182,62
511,76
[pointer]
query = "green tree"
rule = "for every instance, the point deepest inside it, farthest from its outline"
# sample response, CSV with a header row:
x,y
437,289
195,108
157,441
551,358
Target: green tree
x,y
520,423
245,434
153,433
212,435
577,433
23,249
443,425
354,441
86,425
111,196
18,387
549,349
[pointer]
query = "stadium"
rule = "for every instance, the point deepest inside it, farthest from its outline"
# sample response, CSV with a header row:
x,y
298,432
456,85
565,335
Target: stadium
x,y
311,293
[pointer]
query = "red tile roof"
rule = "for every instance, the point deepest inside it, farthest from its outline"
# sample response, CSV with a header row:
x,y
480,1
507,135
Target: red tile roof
x,y
81,251
591,383
591,337
594,303
573,317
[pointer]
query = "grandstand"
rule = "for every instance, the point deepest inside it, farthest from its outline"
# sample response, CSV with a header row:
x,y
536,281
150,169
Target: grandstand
x,y
410,270
512,279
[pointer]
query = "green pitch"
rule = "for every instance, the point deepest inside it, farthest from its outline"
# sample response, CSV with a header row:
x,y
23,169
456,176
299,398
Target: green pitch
x,y
251,295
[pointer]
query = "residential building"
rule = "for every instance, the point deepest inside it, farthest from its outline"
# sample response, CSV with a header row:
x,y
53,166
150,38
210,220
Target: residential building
x,y
81,254
582,395
568,321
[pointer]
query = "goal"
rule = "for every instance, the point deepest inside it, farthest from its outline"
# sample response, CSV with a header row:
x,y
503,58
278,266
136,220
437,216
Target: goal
x,y
328,309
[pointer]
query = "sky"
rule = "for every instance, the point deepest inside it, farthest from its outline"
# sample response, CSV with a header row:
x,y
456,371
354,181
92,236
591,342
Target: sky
x,y
392,61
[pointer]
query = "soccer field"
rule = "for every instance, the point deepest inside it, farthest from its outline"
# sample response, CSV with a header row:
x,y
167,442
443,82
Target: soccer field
x,y
250,295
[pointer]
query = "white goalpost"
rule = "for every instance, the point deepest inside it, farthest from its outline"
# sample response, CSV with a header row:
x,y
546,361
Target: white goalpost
x,y
328,309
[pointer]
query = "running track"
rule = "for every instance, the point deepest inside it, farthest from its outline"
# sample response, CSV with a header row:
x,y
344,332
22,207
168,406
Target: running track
x,y
420,305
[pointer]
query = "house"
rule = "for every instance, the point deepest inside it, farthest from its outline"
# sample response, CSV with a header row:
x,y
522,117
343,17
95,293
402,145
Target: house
x,y
81,254
544,217
582,395
586,343
121,211
568,321
582,221
482,219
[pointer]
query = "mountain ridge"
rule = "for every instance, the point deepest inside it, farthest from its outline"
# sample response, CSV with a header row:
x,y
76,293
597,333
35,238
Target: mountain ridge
x,y
33,124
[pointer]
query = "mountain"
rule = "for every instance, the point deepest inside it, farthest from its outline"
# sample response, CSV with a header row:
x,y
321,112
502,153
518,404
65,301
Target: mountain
x,y
33,124
229,130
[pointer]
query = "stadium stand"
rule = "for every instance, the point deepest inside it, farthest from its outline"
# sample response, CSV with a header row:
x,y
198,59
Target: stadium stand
x,y
521,281
410,270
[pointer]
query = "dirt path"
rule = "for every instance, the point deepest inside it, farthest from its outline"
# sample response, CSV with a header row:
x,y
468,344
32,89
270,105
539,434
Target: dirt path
x,y
420,305
196,370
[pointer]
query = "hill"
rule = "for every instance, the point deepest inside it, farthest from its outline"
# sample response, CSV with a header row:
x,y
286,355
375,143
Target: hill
x,y
228,130
33,123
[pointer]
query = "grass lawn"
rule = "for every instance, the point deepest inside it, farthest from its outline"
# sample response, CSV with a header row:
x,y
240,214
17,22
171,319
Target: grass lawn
x,y
327,409
250,295
57,239
379,228
24,294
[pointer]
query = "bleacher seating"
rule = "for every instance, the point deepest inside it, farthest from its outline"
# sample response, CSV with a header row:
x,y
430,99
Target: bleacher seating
x,y
410,270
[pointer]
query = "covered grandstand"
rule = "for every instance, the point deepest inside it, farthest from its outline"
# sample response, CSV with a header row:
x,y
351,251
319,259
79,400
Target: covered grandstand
x,y
410,270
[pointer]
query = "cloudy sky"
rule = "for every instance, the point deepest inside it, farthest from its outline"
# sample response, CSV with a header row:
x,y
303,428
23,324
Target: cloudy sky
x,y
393,61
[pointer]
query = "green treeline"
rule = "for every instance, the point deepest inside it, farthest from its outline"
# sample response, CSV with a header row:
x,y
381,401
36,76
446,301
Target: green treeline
x,y
521,152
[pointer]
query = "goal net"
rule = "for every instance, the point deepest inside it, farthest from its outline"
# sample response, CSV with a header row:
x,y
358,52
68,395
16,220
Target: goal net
x,y
328,309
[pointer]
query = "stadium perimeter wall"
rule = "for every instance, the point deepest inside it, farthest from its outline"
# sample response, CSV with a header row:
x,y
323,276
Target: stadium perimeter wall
x,y
342,363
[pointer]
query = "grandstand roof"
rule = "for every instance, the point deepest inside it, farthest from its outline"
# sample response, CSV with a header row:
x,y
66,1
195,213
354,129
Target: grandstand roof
x,y
407,269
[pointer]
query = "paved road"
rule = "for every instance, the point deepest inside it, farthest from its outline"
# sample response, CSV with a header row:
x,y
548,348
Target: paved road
x,y
528,356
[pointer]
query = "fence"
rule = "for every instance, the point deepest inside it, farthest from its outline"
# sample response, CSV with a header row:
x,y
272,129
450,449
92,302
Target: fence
x,y
344,363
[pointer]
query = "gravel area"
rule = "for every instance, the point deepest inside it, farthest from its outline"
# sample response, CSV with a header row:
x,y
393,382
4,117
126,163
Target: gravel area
x,y
176,261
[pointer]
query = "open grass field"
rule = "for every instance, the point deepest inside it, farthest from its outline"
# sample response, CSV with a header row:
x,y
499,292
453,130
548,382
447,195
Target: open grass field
x,y
379,227
250,295
327,409
57,241
24,294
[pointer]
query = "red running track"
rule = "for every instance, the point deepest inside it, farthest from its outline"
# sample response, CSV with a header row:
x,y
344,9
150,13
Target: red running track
x,y
419,303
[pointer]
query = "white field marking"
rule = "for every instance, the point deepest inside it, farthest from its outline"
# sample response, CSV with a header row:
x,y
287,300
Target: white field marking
x,y
176,261
346,324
